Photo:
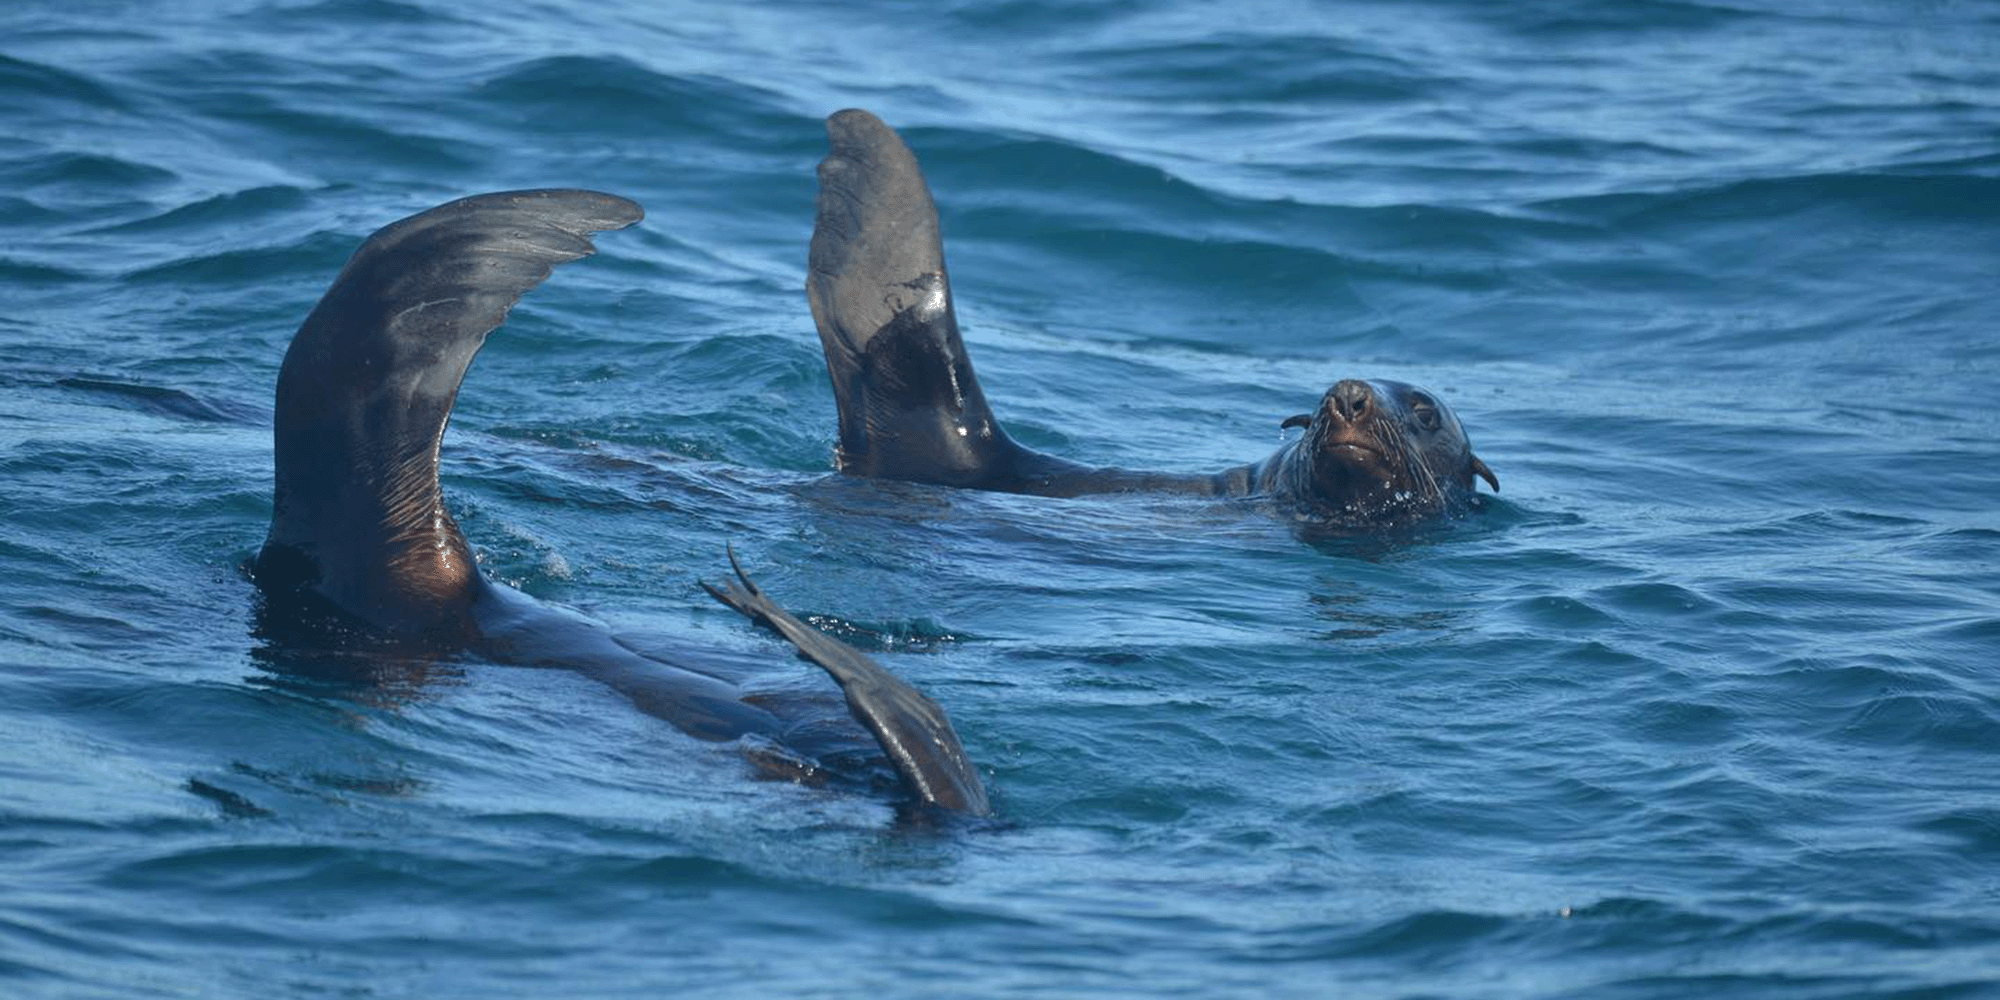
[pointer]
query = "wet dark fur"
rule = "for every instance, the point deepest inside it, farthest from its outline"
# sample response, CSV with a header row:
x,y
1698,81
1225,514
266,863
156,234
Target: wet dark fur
x,y
360,534
911,407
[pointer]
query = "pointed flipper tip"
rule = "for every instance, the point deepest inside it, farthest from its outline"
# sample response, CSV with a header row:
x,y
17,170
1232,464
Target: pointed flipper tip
x,y
912,729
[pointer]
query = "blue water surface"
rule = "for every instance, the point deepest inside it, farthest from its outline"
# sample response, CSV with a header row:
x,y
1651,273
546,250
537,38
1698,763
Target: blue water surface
x,y
1702,704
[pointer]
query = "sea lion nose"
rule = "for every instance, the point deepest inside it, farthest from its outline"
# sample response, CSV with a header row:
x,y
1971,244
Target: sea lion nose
x,y
1351,398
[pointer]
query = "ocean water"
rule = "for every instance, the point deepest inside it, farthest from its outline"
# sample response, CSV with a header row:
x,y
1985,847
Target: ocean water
x,y
1703,703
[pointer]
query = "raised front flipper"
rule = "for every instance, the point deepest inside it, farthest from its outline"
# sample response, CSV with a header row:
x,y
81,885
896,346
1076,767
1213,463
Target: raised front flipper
x,y
910,407
911,728
368,385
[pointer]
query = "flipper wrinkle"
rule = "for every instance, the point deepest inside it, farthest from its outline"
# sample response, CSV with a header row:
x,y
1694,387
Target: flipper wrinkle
x,y
369,382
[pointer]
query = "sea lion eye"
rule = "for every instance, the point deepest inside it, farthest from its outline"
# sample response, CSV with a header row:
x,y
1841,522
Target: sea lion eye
x,y
1425,411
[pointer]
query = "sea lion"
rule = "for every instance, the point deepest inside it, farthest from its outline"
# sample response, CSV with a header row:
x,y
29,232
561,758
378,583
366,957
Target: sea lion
x,y
1373,452
359,528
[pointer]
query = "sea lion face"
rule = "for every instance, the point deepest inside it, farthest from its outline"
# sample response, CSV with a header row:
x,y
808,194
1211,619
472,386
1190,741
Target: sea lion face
x,y
1380,449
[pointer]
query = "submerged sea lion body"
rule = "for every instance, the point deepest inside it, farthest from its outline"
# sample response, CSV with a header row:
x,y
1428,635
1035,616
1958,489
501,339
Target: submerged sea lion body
x,y
911,407
359,527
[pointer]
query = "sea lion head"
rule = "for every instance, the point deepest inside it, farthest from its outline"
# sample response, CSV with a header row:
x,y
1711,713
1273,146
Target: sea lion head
x,y
1377,449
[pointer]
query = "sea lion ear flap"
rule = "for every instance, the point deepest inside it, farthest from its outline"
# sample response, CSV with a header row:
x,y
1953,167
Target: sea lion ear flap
x,y
1303,420
1479,469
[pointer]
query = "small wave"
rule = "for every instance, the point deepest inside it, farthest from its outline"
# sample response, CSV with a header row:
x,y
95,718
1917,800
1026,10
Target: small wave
x,y
1560,613
31,82
1542,19
1289,71
1932,721
33,274
1427,937
318,254
1662,601
220,210
912,635
610,94
368,14
16,211
1013,19
1975,829
77,172
1762,201
168,401
308,133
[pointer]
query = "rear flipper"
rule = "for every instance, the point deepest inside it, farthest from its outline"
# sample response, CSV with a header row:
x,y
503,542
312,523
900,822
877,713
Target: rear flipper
x,y
367,387
910,407
911,728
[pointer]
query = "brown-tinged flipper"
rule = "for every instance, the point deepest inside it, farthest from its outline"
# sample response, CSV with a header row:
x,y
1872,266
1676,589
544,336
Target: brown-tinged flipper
x,y
911,728
368,385
359,525
910,406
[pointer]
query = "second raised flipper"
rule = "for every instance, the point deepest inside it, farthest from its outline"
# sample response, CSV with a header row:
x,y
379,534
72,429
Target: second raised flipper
x,y
911,728
910,406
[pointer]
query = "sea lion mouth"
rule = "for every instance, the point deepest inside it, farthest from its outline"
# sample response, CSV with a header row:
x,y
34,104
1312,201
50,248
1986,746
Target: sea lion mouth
x,y
1354,447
